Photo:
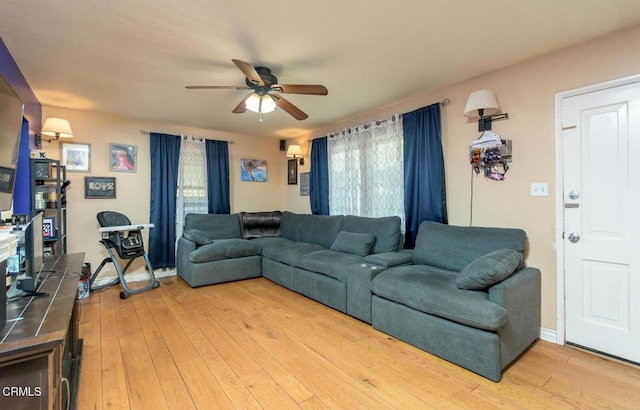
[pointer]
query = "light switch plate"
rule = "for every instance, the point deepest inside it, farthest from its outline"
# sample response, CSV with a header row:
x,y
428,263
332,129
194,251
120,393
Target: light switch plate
x,y
539,189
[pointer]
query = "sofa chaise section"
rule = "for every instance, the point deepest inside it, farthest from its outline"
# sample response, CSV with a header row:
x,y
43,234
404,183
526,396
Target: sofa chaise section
x,y
482,329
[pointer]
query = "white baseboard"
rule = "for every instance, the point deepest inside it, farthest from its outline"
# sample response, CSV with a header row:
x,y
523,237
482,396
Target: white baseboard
x,y
549,335
135,277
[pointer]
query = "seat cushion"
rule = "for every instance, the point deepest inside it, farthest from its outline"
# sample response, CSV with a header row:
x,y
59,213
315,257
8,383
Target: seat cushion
x,y
289,252
434,291
224,249
329,263
489,269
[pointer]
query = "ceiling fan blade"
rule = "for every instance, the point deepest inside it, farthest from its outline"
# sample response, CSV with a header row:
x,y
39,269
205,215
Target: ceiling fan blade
x,y
295,112
248,71
313,89
216,87
240,108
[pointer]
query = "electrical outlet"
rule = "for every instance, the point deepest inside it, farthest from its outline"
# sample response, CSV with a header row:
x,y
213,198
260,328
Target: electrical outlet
x,y
539,189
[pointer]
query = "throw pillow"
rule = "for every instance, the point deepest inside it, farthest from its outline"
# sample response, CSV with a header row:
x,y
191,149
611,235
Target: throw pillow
x,y
489,269
195,235
354,243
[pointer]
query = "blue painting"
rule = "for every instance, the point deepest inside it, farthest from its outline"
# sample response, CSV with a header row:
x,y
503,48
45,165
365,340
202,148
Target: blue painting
x,y
253,170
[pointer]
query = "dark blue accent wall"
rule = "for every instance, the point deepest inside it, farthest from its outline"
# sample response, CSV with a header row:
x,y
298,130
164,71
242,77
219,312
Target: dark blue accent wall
x,y
33,114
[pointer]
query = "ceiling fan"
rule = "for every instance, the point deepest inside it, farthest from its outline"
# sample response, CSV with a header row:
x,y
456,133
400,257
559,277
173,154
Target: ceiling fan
x,y
266,91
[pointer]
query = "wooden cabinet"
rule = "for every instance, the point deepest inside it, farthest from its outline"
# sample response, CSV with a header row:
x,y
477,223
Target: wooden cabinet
x,y
40,351
48,195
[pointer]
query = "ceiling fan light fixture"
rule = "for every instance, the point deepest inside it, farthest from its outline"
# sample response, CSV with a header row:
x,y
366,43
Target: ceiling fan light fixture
x,y
260,104
268,104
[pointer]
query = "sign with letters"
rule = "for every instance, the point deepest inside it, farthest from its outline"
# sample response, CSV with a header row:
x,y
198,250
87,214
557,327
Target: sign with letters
x,y
100,187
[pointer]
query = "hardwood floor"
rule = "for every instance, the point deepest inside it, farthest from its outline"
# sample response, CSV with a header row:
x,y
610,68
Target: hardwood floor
x,y
253,344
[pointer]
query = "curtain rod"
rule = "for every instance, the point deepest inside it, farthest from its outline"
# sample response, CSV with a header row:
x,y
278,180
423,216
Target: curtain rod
x,y
446,101
147,133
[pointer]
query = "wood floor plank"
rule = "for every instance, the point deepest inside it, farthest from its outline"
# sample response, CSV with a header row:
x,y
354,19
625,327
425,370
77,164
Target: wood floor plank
x,y
145,390
268,362
115,392
90,391
235,390
254,344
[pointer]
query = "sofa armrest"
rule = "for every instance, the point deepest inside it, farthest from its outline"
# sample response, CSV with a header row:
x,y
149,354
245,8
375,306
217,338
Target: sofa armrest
x,y
388,259
185,247
520,295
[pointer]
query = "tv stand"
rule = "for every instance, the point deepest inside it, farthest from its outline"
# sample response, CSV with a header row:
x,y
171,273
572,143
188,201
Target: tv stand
x,y
40,352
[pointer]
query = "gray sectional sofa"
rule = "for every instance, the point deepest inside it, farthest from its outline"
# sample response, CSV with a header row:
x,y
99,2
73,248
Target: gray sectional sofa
x,y
462,294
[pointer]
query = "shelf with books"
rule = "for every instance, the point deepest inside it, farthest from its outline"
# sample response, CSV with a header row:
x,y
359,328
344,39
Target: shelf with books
x,y
48,195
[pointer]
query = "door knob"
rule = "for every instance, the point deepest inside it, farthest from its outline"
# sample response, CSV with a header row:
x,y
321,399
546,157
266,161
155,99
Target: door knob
x,y
574,195
574,237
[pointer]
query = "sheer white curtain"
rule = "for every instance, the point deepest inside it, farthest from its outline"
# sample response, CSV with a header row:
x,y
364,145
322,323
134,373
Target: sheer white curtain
x,y
192,180
366,174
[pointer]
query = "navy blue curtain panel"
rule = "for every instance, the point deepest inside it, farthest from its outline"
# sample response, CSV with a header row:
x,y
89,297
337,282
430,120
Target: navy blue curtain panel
x,y
165,154
218,177
424,183
22,184
319,177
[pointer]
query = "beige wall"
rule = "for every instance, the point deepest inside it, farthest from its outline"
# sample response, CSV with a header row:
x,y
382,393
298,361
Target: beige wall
x,y
527,92
133,188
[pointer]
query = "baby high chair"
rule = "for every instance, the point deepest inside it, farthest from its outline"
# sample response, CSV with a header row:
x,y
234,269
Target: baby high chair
x,y
118,233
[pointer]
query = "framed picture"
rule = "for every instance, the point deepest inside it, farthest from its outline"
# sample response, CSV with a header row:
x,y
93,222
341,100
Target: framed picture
x,y
100,187
48,227
75,156
253,170
304,183
292,172
6,179
123,157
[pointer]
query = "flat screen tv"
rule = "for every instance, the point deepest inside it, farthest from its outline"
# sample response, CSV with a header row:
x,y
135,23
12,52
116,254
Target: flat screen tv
x,y
29,281
10,125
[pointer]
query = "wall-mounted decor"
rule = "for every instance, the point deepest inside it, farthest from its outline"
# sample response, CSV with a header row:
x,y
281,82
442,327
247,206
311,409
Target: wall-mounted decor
x,y
304,183
75,156
6,179
100,187
292,171
123,157
253,170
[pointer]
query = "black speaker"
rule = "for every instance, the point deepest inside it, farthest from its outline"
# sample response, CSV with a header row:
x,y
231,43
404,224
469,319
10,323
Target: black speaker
x,y
283,144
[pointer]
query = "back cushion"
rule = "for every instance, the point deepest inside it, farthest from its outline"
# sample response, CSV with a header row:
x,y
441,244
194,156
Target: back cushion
x,y
321,229
385,229
317,229
454,247
215,226
291,226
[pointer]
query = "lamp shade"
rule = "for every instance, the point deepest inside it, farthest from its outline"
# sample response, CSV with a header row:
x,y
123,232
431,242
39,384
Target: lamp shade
x,y
294,151
57,127
481,100
253,103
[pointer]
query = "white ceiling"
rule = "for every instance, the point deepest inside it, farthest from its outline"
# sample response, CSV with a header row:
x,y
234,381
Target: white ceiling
x,y
134,58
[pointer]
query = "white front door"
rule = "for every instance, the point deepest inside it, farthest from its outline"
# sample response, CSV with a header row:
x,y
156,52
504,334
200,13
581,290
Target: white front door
x,y
601,189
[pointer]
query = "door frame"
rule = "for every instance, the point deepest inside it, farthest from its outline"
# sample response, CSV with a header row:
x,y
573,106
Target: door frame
x,y
559,241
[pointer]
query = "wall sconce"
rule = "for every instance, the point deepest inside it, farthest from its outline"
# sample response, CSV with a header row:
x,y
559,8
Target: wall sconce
x,y
295,152
56,128
485,102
